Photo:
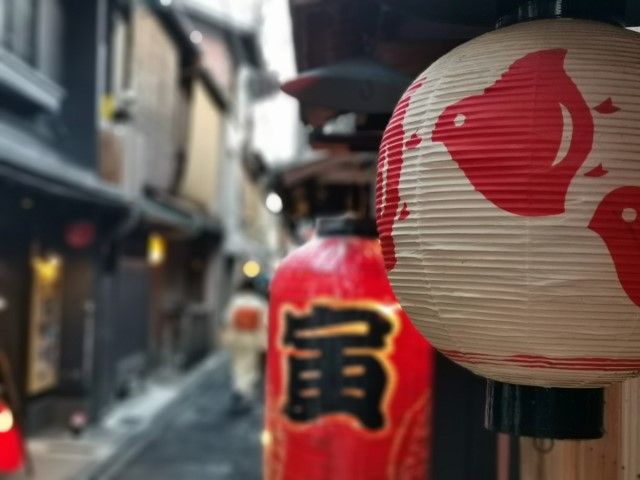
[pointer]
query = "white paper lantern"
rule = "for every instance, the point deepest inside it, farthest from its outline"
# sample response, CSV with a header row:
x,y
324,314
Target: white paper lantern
x,y
509,204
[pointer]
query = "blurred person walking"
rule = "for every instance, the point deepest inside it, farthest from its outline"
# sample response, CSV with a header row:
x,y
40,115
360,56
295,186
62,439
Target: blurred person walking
x,y
245,335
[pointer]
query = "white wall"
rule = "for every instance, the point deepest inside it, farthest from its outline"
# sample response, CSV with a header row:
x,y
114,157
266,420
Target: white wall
x,y
240,13
277,124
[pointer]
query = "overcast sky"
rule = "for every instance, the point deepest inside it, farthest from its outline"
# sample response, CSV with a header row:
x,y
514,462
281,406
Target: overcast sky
x,y
277,119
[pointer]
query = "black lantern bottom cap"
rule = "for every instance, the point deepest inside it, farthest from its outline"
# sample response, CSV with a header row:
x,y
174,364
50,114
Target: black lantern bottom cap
x,y
558,413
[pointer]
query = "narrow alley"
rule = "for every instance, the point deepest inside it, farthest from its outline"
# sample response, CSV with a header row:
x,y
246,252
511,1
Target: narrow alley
x,y
319,240
203,440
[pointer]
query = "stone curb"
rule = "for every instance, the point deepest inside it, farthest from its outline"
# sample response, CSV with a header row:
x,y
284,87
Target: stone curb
x,y
131,446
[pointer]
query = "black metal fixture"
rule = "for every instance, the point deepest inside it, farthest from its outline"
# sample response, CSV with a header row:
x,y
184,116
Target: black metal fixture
x,y
503,12
558,413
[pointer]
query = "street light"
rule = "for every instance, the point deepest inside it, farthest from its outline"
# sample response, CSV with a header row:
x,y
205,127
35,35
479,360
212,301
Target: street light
x,y
251,269
156,250
266,438
274,203
6,421
47,268
196,37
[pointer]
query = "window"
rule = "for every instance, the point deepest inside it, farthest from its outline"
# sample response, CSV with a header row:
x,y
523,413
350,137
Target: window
x,y
17,28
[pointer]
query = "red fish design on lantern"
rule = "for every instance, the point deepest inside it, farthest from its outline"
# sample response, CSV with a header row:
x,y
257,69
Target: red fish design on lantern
x,y
522,190
389,168
523,170
617,221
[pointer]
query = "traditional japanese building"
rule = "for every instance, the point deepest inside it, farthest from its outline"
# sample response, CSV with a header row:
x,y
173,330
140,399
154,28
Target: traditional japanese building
x,y
59,216
125,128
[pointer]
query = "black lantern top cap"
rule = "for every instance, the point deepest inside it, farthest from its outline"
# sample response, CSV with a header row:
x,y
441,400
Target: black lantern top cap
x,y
346,226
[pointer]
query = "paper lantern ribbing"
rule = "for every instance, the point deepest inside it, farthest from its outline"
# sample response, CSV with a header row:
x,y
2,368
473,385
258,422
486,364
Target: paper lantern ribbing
x,y
349,378
509,204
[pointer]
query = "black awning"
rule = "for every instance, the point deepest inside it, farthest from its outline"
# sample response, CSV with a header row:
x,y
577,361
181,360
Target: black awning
x,y
64,181
168,215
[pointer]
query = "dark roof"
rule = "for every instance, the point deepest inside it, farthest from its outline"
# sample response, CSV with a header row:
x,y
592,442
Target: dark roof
x,y
489,12
26,159
409,34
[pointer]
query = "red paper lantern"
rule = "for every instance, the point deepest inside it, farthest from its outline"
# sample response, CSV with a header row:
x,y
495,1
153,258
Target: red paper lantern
x,y
509,200
11,445
80,234
349,378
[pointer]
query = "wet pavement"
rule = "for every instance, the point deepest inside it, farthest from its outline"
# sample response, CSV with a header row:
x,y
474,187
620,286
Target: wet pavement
x,y
204,441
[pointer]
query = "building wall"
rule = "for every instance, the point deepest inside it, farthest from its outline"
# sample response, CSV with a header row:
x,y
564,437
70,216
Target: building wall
x,y
235,134
253,206
84,31
202,169
630,430
462,448
14,291
131,325
269,128
616,456
241,13
155,64
49,52
217,58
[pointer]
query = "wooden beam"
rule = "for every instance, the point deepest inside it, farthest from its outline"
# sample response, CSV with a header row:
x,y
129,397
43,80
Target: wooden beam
x,y
582,460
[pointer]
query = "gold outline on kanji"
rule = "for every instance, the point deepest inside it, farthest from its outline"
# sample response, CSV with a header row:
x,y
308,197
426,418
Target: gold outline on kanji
x,y
391,313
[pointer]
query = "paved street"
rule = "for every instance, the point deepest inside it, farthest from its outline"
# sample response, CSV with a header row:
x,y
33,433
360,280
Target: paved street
x,y
203,442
